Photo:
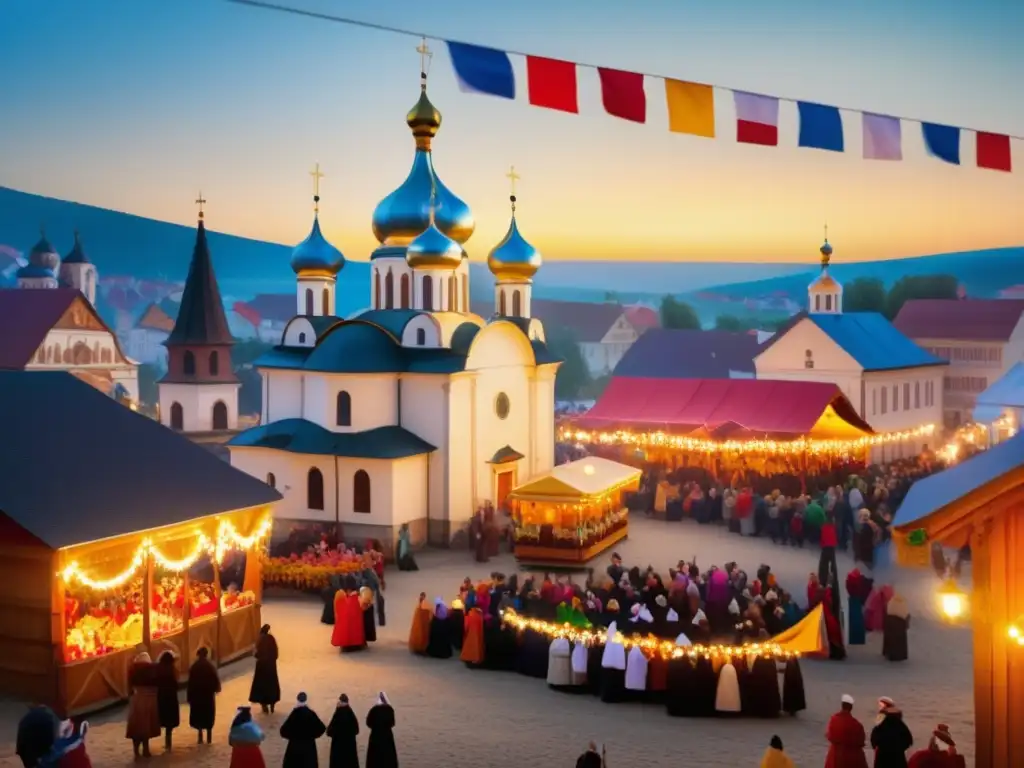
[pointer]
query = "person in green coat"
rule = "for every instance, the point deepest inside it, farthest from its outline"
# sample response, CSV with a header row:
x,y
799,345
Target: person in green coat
x,y
814,518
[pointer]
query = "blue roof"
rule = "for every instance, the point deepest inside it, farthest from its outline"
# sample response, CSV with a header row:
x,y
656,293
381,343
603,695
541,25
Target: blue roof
x,y
283,357
301,436
391,320
32,270
356,347
940,490
1004,392
871,340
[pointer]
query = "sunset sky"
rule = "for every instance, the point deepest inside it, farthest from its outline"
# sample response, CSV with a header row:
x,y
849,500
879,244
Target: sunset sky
x,y
136,106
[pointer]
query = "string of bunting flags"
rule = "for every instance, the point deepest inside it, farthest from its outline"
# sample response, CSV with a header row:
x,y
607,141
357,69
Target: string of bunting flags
x,y
552,84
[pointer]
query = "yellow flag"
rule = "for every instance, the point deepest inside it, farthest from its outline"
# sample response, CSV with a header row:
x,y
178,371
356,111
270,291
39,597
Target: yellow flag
x,y
691,108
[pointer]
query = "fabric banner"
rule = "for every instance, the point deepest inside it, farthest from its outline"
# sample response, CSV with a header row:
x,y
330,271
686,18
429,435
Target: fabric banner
x,y
691,108
883,139
993,150
807,637
483,70
552,84
622,94
942,141
821,127
757,119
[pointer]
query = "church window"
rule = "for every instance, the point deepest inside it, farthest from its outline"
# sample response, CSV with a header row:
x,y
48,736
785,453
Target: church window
x,y
220,415
874,402
309,301
465,293
327,301
808,359
906,396
344,407
501,406
107,356
452,291
828,303
895,397
188,363
389,291
271,480
361,492
421,337
82,354
885,400
41,355
315,489
817,303
56,353
376,289
517,308
214,363
501,303
67,354
177,417
302,338
404,290
428,293
917,394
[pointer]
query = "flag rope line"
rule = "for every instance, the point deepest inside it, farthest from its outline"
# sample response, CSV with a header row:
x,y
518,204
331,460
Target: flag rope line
x,y
320,16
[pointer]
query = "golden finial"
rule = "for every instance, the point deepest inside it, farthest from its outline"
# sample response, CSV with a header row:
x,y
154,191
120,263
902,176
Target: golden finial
x,y
425,57
512,177
200,201
315,173
825,250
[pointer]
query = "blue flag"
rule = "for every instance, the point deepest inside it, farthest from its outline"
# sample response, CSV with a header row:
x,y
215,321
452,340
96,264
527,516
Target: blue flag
x,y
483,70
821,127
942,141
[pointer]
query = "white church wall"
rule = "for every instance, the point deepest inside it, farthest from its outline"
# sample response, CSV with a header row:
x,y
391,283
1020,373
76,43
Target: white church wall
x,y
373,397
544,429
425,413
282,395
421,331
290,477
197,403
787,359
462,496
898,400
299,333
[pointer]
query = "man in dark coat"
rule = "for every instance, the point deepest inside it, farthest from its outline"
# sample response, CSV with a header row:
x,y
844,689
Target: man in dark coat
x,y
201,693
301,730
890,738
37,732
342,731
591,758
266,688
381,751
167,696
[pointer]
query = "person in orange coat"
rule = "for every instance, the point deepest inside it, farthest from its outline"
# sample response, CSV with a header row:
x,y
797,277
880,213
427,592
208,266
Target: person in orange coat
x,y
419,632
473,638
846,738
935,755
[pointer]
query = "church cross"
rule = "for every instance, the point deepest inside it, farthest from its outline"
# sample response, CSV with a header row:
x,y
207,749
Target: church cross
x,y
512,177
315,173
200,201
425,55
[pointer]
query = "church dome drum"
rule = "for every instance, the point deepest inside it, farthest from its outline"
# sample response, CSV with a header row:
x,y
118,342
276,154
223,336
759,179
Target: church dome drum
x,y
315,254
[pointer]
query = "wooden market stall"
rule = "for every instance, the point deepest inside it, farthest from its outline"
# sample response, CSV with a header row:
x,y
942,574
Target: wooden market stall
x,y
573,512
116,536
980,503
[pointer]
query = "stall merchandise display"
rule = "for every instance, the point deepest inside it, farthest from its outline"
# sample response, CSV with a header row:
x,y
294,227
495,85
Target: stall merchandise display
x,y
313,570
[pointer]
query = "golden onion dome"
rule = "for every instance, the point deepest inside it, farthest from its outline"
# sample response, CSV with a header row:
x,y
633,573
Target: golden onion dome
x,y
514,258
433,249
405,213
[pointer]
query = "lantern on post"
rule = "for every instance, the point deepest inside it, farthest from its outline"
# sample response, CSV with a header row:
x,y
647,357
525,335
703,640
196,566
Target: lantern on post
x,y
952,600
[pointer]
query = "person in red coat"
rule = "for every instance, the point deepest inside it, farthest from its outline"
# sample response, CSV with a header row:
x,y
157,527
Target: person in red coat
x,y
846,738
349,632
940,752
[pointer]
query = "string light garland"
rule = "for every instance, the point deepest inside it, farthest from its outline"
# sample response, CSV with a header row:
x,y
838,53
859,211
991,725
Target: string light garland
x,y
659,439
228,538
650,645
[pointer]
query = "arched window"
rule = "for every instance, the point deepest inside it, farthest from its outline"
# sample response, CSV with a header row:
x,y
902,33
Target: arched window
x,y
361,492
428,293
465,294
188,363
501,303
302,338
309,301
220,415
376,289
453,293
56,353
67,354
327,301
517,308
82,355
389,291
214,363
421,337
817,303
344,417
177,417
107,356
828,302
315,489
271,480
41,355
404,288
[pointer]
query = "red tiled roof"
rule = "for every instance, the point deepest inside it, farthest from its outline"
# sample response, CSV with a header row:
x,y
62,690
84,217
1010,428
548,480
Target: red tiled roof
x,y
273,306
27,315
960,319
587,321
642,318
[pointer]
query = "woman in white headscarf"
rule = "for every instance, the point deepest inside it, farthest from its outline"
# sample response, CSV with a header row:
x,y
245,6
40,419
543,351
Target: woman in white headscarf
x,y
613,667
381,752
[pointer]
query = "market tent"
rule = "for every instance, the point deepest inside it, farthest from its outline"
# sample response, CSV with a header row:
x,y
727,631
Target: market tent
x,y
724,407
807,637
1004,393
578,481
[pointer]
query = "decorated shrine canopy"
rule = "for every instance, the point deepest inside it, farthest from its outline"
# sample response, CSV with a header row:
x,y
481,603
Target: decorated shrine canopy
x,y
578,482
726,409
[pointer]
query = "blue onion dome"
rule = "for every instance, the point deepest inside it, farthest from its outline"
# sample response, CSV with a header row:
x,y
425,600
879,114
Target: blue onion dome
x,y
433,249
514,258
44,255
405,213
315,254
77,254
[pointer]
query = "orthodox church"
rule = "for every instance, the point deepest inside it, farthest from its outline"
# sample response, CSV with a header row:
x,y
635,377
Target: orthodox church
x,y
415,411
46,269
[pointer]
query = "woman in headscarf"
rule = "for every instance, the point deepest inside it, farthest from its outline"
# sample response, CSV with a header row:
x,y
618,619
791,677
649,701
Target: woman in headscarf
x,y
301,729
266,687
794,699
613,667
864,539
775,757
890,738
366,603
245,738
940,752
473,651
895,646
167,696
342,731
349,631
439,642
419,631
381,751
143,711
406,561
858,589
201,694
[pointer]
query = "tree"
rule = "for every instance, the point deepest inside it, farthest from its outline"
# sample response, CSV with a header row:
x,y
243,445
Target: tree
x,y
244,353
611,297
865,294
730,323
678,314
573,375
919,287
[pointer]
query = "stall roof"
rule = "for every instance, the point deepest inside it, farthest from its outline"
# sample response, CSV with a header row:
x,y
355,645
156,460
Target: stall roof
x,y
757,405
577,480
671,353
79,467
1005,392
974,477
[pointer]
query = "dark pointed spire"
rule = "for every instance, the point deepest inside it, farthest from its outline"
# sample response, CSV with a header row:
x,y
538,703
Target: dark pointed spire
x,y
77,254
201,319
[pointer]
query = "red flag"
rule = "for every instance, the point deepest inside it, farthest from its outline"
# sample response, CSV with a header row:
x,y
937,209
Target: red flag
x,y
623,94
552,83
994,151
244,310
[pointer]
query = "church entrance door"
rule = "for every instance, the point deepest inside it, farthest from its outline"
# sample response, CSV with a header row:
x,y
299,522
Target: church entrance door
x,y
504,488
177,417
220,415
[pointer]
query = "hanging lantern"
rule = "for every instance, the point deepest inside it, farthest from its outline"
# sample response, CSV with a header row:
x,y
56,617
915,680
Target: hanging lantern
x,y
952,601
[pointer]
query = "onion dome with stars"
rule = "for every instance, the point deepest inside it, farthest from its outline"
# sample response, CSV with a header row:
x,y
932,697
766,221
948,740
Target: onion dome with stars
x,y
43,259
315,255
405,213
432,248
514,258
77,254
